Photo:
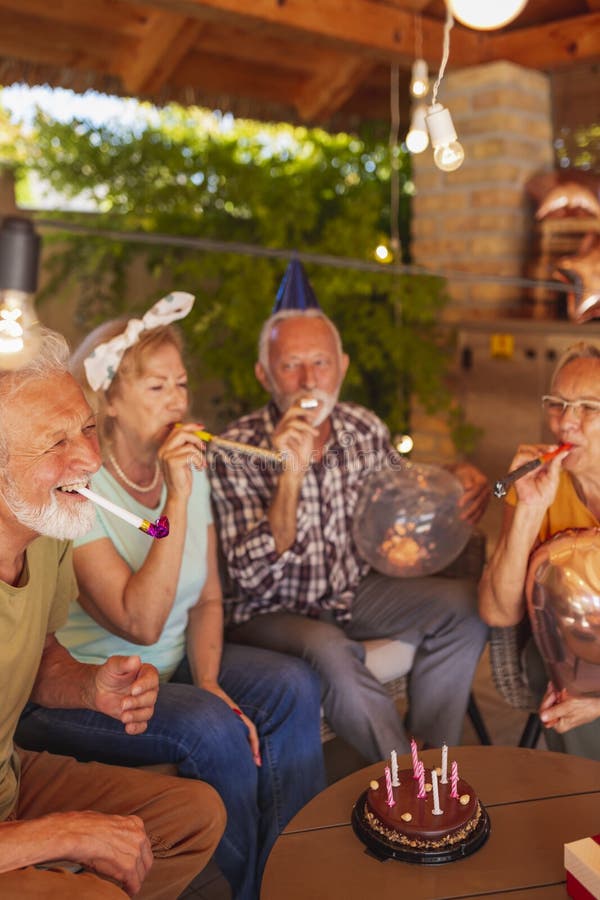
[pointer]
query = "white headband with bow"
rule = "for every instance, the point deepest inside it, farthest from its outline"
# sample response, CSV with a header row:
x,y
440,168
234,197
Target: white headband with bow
x,y
102,363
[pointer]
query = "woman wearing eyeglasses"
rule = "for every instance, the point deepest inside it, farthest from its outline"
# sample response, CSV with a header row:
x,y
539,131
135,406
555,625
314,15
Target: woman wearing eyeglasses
x,y
562,494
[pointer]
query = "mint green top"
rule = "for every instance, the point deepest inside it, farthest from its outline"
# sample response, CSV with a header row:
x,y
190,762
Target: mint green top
x,y
90,642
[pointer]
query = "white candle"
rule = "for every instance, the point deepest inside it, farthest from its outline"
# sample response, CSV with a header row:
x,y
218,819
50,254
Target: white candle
x,y
444,778
394,761
436,796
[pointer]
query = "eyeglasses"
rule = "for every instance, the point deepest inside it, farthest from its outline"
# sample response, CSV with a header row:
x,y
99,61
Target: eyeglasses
x,y
556,406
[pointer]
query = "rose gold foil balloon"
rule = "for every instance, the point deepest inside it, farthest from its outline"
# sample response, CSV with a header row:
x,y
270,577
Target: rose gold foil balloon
x,y
407,521
582,272
563,600
569,200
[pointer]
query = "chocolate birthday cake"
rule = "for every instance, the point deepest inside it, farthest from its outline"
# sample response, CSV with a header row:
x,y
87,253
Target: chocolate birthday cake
x,y
410,829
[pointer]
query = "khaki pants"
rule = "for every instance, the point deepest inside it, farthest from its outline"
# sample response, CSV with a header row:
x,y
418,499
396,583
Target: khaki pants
x,y
184,821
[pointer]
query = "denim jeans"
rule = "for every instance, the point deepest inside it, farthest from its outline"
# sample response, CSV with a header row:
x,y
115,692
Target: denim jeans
x,y
200,734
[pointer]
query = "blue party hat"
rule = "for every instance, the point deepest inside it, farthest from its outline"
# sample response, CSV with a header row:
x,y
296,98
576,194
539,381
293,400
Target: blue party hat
x,y
295,290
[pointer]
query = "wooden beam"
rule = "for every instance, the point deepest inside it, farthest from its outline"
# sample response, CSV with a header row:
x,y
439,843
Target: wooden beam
x,y
106,15
220,76
327,91
75,47
548,46
160,48
303,54
187,38
384,32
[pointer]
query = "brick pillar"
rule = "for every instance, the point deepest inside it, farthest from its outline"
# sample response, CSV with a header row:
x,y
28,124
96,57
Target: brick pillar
x,y
478,219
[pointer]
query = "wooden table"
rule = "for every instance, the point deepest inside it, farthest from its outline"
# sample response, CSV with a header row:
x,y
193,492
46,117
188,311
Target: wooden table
x,y
537,801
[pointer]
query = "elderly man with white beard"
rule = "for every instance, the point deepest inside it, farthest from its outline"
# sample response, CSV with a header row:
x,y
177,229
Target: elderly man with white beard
x,y
69,829
299,584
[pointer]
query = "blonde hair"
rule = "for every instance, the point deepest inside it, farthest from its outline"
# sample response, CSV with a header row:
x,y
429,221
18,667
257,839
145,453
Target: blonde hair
x,y
131,365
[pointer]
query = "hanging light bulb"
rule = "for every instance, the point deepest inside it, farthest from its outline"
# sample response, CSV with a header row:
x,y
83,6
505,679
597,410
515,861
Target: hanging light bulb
x,y
419,82
417,138
448,153
403,443
19,327
486,15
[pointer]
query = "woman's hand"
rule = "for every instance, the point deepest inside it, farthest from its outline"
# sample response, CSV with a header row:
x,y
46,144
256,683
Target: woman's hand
x,y
560,711
181,451
539,487
214,688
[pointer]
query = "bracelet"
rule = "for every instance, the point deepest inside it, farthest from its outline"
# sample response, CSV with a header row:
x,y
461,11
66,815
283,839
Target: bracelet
x,y
237,711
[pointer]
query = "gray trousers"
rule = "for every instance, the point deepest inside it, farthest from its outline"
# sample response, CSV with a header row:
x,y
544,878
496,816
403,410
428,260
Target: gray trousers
x,y
437,615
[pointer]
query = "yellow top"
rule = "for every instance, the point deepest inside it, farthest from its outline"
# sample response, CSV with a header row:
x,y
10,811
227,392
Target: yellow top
x,y
567,510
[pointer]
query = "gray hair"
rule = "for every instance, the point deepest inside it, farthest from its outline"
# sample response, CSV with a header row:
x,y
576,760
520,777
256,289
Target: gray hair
x,y
265,332
51,358
580,350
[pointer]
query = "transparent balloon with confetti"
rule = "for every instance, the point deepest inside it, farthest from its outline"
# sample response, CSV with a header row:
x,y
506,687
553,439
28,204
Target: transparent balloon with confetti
x,y
407,520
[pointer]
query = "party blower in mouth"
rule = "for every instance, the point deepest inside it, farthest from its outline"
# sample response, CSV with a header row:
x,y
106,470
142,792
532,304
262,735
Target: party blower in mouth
x,y
158,529
501,486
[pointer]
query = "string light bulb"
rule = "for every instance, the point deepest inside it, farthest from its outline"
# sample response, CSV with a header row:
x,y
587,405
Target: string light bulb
x,y
485,15
19,326
419,82
417,138
448,153
403,443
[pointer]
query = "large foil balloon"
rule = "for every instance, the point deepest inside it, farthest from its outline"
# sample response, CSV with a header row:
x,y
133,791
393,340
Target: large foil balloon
x,y
563,600
582,272
407,521
569,200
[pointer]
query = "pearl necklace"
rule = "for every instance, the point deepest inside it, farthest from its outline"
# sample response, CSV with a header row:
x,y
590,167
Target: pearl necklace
x,y
142,488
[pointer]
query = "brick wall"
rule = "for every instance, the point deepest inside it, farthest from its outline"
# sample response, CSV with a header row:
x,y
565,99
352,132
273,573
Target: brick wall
x,y
478,220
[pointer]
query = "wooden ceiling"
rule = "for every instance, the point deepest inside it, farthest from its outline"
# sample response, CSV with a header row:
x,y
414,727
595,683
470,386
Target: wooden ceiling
x,y
315,61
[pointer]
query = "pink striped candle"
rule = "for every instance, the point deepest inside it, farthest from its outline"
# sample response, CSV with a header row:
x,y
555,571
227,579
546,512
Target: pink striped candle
x,y
415,757
388,784
454,780
421,776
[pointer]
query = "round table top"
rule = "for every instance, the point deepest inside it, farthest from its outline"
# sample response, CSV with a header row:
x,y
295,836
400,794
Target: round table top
x,y
537,801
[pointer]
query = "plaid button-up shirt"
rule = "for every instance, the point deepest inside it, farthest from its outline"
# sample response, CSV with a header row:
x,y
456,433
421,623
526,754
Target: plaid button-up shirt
x,y
322,569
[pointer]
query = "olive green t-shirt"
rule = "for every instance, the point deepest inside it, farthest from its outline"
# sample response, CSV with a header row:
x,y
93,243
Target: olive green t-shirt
x,y
28,613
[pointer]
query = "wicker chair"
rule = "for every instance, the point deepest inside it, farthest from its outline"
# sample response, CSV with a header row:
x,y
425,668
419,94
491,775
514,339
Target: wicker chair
x,y
506,648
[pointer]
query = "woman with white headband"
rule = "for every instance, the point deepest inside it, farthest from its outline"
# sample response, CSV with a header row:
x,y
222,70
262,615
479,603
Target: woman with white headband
x,y
242,719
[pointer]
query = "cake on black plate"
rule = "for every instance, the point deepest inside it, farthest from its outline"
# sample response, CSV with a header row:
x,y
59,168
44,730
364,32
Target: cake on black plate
x,y
410,830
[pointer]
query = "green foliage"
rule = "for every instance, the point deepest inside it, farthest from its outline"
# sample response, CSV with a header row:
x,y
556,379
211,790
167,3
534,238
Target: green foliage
x,y
191,173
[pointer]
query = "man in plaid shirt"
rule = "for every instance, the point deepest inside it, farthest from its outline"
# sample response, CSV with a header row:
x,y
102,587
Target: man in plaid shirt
x,y
300,586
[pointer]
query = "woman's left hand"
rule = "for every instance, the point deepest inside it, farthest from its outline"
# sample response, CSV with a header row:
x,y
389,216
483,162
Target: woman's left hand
x,y
560,711
253,740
